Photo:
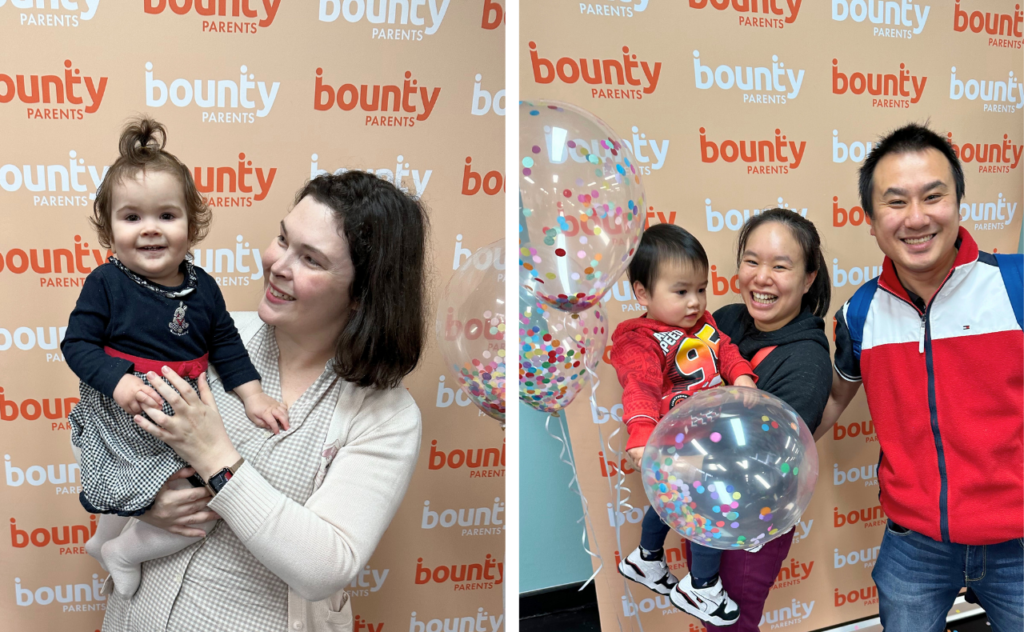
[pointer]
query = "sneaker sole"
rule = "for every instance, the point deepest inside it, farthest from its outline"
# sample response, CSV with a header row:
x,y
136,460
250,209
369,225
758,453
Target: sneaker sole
x,y
696,612
627,571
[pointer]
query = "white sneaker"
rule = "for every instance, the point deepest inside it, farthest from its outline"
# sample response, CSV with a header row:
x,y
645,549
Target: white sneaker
x,y
710,605
651,573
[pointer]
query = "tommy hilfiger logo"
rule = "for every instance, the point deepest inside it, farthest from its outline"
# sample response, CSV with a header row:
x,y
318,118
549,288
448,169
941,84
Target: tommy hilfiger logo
x,y
966,327
178,325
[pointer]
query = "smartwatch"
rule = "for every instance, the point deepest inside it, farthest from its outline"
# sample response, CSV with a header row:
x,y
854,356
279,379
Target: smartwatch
x,y
221,478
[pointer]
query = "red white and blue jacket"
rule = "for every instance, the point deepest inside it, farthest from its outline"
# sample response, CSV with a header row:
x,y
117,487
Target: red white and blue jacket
x,y
946,391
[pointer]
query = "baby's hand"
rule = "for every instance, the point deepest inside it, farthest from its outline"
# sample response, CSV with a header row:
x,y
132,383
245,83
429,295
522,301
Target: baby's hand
x,y
637,454
266,412
131,393
750,398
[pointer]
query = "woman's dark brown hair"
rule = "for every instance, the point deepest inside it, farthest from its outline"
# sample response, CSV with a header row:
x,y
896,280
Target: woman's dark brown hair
x,y
386,232
142,149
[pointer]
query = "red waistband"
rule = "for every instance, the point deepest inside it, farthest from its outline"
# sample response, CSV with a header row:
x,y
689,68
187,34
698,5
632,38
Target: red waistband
x,y
184,368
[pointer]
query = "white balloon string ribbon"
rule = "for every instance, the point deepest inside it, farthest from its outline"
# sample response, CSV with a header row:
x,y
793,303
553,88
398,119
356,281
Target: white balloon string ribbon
x,y
614,490
567,452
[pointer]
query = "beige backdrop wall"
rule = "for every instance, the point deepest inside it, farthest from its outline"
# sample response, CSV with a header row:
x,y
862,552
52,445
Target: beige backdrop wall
x,y
682,111
273,123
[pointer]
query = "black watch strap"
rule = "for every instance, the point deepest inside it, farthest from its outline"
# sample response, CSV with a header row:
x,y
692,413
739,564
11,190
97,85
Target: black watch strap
x,y
221,478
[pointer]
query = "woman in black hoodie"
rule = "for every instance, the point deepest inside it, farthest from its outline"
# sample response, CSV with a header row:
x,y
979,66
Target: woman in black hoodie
x,y
785,287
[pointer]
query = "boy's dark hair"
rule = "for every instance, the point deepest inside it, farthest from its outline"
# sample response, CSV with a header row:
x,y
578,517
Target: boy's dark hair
x,y
662,243
907,139
142,149
819,295
386,232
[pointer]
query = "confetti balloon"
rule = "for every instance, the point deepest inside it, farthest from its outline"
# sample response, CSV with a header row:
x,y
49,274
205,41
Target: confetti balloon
x,y
470,328
555,350
728,474
582,205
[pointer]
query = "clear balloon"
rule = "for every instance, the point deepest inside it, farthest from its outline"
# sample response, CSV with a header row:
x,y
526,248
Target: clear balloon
x,y
582,205
556,349
729,476
470,328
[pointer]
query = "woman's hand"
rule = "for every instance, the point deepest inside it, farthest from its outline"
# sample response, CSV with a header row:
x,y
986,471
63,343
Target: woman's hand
x,y
196,431
175,509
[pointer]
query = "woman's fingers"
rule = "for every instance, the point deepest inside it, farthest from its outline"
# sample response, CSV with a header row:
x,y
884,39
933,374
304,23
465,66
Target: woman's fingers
x,y
151,427
169,395
184,388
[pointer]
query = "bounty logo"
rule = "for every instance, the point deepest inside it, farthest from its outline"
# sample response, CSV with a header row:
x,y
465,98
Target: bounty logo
x,y
647,163
215,182
72,597
856,151
614,8
774,12
616,71
251,20
759,84
52,409
996,96
68,86
414,19
236,266
415,102
484,102
77,260
734,219
222,100
989,215
482,622
73,183
989,155
472,521
401,176
792,614
367,581
992,24
27,338
854,276
866,473
63,14
902,20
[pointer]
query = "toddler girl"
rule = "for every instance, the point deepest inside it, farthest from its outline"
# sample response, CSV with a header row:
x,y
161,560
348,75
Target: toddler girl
x,y
147,308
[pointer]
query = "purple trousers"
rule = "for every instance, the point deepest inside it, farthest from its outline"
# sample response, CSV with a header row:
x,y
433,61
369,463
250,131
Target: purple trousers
x,y
748,577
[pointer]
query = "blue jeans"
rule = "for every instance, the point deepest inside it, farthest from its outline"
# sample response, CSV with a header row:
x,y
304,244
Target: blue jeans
x,y
705,561
918,579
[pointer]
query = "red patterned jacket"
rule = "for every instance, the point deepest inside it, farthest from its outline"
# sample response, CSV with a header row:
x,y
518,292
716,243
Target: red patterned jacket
x,y
660,365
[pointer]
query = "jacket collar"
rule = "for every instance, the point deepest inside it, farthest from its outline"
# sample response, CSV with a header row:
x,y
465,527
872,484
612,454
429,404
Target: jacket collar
x,y
967,253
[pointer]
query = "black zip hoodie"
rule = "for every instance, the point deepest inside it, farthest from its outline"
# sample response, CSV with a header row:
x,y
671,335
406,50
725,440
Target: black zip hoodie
x,y
799,371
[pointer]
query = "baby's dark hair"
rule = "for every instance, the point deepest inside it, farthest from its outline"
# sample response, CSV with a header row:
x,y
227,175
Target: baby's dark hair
x,y
663,243
142,149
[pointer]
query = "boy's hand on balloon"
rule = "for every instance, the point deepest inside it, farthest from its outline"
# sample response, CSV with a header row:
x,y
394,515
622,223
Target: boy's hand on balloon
x,y
749,398
637,454
131,393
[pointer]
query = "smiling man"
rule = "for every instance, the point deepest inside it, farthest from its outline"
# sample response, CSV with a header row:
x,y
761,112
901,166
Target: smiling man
x,y
937,341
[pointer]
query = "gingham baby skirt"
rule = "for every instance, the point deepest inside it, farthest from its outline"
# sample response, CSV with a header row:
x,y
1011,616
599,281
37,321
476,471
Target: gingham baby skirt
x,y
123,466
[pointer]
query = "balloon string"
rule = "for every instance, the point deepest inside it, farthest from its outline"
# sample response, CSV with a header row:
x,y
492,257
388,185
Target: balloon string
x,y
614,490
564,440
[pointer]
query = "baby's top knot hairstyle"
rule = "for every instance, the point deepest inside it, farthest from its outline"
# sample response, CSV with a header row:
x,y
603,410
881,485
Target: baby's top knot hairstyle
x,y
141,149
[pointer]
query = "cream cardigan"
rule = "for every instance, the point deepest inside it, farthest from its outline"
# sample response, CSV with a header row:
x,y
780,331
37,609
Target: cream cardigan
x,y
317,549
